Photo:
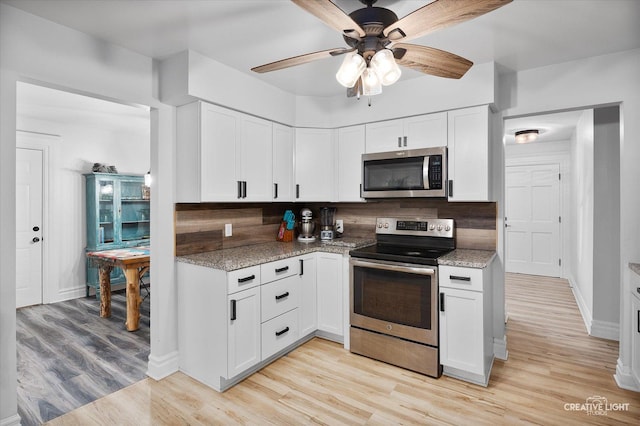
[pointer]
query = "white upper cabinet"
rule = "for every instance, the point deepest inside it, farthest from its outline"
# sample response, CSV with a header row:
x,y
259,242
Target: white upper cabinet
x,y
349,149
422,131
282,163
469,143
314,169
222,155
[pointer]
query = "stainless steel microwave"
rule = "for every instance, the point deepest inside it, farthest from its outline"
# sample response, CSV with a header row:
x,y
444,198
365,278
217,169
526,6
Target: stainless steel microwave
x,y
408,173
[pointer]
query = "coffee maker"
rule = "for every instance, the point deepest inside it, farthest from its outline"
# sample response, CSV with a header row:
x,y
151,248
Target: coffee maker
x,y
306,227
327,223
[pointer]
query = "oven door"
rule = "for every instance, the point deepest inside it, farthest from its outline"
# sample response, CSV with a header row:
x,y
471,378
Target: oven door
x,y
396,299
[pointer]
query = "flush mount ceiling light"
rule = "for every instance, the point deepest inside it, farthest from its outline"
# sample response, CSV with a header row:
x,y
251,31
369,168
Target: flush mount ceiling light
x,y
376,40
525,136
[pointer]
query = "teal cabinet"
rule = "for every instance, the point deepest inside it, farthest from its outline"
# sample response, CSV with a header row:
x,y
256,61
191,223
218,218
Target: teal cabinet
x,y
117,216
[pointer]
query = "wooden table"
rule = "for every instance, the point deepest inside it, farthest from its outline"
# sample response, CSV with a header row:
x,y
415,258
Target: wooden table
x,y
134,263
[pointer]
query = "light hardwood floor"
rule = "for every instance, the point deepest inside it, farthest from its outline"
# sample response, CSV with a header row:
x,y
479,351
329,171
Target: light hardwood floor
x,y
552,362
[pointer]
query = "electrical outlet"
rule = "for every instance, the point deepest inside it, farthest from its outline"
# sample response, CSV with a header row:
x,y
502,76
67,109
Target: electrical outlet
x,y
339,226
228,230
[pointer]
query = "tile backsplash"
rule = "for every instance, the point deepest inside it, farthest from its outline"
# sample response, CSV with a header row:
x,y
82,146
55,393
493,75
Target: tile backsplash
x,y
200,227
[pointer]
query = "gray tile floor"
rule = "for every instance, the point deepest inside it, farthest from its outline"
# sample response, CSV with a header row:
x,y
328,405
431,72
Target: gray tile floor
x,y
68,356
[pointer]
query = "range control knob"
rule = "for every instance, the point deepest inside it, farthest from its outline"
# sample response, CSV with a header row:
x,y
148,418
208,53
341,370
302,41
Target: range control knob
x,y
432,227
380,225
439,227
447,228
386,225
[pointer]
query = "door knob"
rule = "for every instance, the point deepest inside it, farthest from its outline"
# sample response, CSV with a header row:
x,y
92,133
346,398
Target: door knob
x,y
36,228
35,239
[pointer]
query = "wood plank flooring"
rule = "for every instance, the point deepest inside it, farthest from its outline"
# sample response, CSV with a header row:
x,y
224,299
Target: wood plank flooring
x,y
552,362
68,356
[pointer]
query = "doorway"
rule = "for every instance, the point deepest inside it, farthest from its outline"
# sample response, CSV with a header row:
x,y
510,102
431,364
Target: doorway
x,y
88,130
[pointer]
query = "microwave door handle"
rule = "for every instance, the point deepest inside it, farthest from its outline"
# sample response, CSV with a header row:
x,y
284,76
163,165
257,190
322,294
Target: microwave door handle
x,y
425,172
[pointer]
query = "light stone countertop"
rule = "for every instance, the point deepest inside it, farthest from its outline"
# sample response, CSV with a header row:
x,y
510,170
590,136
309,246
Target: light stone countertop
x,y
635,267
467,258
243,257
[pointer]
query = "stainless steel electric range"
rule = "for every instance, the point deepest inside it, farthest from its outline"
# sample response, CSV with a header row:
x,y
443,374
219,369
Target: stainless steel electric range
x,y
394,292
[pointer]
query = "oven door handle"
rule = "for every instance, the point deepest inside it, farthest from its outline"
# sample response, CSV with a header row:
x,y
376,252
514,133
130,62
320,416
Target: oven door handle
x,y
395,268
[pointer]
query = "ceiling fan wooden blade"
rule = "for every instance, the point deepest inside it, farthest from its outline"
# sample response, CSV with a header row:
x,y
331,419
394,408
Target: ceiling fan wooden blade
x,y
331,15
438,15
431,61
299,60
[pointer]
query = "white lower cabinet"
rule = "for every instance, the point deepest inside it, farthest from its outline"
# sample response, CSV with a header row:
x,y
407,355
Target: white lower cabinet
x,y
243,342
466,332
230,324
635,330
330,295
308,311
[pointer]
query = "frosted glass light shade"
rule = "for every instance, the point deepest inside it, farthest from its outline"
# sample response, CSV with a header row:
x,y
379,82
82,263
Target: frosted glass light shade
x,y
351,69
371,83
525,136
385,66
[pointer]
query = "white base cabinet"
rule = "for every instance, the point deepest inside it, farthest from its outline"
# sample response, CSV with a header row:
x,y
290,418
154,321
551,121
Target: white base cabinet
x,y
330,296
635,327
230,324
466,331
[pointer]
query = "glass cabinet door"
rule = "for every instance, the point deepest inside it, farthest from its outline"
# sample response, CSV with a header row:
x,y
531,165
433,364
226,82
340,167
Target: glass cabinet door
x,y
106,212
134,215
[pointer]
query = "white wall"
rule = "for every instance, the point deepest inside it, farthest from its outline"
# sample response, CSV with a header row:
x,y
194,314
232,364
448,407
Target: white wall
x,y
606,214
78,147
582,216
39,51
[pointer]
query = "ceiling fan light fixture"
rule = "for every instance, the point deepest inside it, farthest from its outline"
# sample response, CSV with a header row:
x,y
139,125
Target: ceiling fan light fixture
x,y
384,64
352,67
371,84
526,136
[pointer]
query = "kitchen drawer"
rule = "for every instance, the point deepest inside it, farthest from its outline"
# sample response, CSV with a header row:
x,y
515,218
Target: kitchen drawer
x,y
279,332
279,269
279,297
461,278
242,279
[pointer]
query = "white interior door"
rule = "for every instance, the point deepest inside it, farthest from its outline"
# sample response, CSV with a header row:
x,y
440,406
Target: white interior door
x,y
532,219
28,227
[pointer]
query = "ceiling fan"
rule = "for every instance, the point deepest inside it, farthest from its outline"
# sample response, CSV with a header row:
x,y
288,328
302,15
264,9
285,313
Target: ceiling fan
x,y
377,42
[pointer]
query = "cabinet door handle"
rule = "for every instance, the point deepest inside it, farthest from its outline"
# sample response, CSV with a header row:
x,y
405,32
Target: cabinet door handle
x,y
441,302
399,142
244,189
275,191
450,188
297,190
283,269
239,189
282,296
233,309
638,320
302,269
458,278
245,279
405,141
281,332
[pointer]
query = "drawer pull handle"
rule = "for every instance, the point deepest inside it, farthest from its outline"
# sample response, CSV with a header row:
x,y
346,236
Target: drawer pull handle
x,y
281,332
458,278
233,310
245,279
282,296
283,269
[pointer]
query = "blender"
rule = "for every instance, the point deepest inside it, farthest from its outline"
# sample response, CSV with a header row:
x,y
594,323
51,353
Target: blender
x,y
327,223
306,227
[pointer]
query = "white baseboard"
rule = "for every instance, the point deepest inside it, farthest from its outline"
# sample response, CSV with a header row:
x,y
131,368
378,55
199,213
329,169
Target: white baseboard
x,y
11,421
624,378
605,330
587,317
500,348
163,366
